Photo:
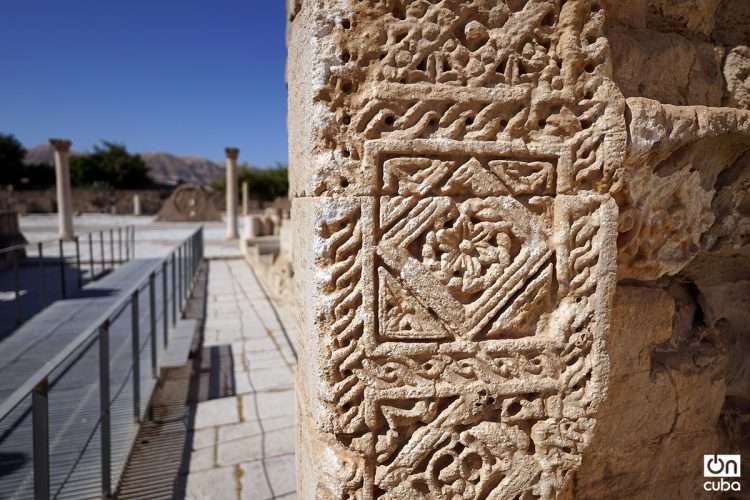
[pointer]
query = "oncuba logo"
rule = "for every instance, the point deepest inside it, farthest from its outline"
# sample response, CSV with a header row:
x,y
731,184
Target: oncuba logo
x,y
719,468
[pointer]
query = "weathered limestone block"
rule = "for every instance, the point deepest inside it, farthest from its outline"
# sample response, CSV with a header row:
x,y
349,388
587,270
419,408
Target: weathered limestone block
x,y
684,192
737,75
658,419
641,56
470,180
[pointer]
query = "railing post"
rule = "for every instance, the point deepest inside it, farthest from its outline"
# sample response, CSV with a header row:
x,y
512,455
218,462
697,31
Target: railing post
x,y
43,295
91,257
192,256
188,267
187,271
135,317
112,248
179,276
136,343
63,286
165,302
17,287
127,243
152,318
106,427
132,235
40,431
119,244
79,272
101,247
174,291
189,248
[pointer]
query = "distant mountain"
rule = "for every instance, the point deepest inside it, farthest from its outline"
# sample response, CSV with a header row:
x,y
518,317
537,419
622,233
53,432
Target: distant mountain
x,y
164,168
170,169
40,155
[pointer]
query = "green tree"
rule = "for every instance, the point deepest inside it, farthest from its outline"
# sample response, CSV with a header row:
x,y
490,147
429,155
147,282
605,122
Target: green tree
x,y
13,170
110,165
12,154
265,184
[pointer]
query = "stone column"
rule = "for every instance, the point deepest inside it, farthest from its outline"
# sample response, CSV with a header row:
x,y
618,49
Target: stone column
x,y
136,204
467,191
231,190
245,198
62,183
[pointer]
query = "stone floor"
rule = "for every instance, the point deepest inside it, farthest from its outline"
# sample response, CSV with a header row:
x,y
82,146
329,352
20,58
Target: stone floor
x,y
243,445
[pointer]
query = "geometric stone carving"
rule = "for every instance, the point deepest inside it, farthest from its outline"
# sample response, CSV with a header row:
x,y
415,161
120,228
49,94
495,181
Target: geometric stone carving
x,y
455,243
506,344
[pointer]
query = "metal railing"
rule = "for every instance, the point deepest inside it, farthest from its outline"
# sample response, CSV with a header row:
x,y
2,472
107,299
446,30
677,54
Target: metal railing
x,y
45,271
154,304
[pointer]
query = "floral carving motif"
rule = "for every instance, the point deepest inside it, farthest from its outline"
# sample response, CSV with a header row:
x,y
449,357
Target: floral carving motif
x,y
469,254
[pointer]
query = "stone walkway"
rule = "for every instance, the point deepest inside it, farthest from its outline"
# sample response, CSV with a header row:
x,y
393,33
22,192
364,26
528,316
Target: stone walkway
x,y
243,446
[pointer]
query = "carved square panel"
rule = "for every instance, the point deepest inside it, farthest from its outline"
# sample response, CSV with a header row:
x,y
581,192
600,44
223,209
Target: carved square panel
x,y
463,270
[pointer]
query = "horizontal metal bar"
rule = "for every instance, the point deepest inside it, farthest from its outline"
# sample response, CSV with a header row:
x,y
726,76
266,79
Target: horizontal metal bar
x,y
22,246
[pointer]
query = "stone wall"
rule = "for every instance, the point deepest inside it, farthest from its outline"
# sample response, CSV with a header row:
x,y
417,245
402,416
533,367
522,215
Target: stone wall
x,y
521,246
86,201
109,201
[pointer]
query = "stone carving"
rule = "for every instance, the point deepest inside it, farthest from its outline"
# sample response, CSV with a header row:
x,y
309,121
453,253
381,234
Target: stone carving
x,y
189,203
467,191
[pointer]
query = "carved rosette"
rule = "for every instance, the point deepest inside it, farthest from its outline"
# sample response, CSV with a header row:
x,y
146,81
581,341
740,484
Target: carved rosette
x,y
464,249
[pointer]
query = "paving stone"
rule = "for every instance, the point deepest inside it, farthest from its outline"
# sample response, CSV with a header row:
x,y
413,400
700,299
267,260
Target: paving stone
x,y
281,472
216,412
241,450
279,442
204,438
214,484
251,428
254,481
202,459
279,378
238,431
269,404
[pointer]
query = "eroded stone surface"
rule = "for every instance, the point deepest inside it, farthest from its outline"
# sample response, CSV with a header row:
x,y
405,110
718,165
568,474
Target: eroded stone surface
x,y
470,180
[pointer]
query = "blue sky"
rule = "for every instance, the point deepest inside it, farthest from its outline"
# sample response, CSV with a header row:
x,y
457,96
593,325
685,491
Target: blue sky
x,y
187,77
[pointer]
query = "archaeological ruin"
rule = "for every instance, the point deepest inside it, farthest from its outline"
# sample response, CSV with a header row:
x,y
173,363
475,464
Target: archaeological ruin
x,y
521,245
190,203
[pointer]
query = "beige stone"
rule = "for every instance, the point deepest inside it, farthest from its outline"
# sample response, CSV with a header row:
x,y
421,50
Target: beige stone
x,y
514,231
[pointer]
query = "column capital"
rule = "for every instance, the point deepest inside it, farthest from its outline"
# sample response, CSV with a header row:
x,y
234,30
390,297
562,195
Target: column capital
x,y
61,145
232,153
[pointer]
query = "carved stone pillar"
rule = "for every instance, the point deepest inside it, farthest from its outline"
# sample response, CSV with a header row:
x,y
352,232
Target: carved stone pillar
x,y
231,192
63,189
469,183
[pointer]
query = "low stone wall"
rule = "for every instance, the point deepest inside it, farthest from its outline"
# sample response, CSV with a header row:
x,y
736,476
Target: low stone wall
x,y
86,200
10,234
266,244
115,201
